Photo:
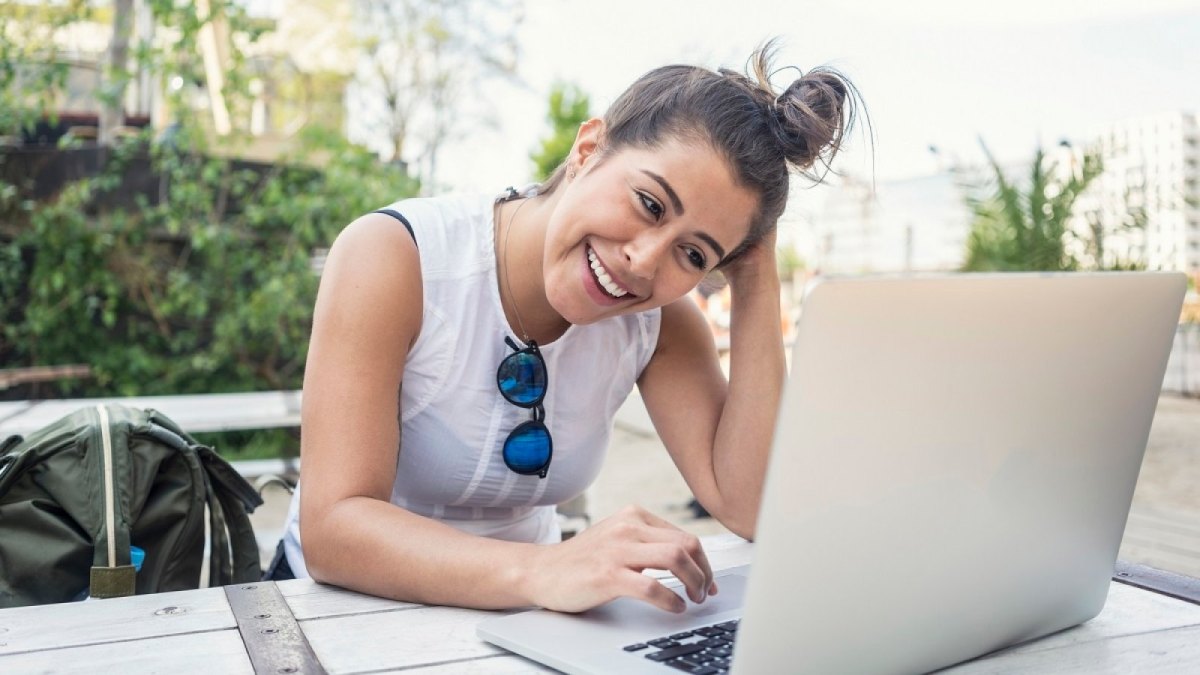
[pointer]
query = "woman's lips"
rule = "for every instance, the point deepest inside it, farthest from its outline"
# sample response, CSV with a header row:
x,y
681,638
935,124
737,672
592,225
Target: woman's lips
x,y
595,287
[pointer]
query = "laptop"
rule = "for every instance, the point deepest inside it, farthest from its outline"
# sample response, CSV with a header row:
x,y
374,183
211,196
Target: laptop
x,y
951,474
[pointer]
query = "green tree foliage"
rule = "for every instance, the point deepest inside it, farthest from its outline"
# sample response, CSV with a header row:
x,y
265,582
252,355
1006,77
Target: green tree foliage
x,y
172,268
209,289
1032,225
31,70
1025,226
788,261
569,107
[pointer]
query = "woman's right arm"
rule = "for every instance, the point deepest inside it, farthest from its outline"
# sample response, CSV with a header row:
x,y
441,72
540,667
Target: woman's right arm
x,y
367,317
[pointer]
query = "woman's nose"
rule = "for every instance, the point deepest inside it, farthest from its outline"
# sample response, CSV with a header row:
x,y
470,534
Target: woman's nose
x,y
644,254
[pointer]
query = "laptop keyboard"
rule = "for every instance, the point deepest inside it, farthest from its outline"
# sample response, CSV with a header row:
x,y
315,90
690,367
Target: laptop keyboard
x,y
704,651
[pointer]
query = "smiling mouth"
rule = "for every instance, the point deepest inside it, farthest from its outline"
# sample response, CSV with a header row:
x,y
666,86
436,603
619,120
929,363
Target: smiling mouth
x,y
612,288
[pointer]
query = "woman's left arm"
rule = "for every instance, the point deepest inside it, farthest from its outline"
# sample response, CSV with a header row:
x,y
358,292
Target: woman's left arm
x,y
719,433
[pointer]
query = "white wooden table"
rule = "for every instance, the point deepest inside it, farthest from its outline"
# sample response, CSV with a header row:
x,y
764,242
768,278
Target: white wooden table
x,y
193,412
196,632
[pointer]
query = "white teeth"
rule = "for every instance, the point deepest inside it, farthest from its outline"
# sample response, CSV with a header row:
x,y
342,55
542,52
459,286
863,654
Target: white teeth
x,y
602,276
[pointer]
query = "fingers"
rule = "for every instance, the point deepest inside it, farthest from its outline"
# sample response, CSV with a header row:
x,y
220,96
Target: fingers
x,y
607,560
682,555
642,587
668,556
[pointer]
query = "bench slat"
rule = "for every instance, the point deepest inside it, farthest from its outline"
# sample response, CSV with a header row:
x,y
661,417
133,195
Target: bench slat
x,y
193,412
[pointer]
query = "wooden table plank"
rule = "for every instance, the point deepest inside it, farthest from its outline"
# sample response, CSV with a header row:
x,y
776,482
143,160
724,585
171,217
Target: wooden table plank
x,y
356,633
397,639
491,665
1170,652
1129,611
219,651
70,624
310,600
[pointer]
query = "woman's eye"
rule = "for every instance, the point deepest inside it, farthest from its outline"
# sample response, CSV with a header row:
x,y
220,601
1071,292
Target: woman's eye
x,y
696,258
651,206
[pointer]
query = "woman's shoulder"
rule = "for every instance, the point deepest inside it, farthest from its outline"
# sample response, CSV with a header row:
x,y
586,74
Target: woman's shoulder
x,y
453,232
443,211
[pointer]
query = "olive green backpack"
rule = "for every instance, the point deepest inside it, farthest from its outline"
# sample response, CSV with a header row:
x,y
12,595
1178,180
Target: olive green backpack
x,y
77,494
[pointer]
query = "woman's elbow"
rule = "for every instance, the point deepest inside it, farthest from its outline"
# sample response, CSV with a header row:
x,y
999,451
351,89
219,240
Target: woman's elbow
x,y
740,519
318,550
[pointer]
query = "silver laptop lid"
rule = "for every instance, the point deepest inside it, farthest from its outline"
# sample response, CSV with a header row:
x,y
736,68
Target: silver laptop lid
x,y
953,465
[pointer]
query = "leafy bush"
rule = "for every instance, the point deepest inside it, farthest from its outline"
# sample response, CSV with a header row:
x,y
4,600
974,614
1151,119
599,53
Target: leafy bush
x,y
205,285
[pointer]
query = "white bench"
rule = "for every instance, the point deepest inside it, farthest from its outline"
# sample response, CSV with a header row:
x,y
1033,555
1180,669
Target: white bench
x,y
193,412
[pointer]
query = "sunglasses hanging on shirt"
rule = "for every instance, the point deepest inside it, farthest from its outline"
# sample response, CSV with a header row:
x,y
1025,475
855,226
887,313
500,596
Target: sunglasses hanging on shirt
x,y
522,380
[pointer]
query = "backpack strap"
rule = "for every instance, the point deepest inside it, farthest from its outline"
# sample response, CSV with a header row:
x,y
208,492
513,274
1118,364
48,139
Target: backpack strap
x,y
112,574
236,499
233,549
10,442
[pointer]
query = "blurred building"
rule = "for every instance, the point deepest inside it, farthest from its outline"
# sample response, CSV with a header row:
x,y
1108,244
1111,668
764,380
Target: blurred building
x,y
910,225
296,71
1146,204
1148,197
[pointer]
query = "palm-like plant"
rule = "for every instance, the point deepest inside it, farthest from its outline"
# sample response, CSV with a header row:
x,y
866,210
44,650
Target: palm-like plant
x,y
1026,226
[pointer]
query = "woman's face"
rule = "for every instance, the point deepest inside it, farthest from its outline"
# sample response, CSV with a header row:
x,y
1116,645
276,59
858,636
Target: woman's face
x,y
638,228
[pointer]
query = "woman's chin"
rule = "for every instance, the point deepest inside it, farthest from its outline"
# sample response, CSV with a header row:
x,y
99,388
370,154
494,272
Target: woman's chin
x,y
578,313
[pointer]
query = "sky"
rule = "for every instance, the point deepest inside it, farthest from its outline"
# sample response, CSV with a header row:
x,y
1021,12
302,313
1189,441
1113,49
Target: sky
x,y
931,72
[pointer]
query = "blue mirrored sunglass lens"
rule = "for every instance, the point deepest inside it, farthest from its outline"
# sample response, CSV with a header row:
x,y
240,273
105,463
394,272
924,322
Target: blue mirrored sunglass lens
x,y
522,378
527,449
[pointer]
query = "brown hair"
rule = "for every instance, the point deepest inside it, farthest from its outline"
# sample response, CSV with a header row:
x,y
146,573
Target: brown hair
x,y
760,133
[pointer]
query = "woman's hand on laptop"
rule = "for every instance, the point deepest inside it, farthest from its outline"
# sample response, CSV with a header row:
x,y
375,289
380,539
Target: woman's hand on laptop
x,y
606,561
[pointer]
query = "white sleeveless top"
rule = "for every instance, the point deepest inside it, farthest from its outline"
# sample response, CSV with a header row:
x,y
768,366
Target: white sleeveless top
x,y
453,420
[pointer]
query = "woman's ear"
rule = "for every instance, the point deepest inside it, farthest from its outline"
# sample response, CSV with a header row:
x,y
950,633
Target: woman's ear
x,y
588,143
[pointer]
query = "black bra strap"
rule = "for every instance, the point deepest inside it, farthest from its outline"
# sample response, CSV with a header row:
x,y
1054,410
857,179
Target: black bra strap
x,y
402,219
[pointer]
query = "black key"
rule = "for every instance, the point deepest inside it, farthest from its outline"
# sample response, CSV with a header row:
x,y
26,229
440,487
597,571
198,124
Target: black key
x,y
635,647
717,652
679,664
680,636
695,660
709,631
728,625
672,652
663,643
714,642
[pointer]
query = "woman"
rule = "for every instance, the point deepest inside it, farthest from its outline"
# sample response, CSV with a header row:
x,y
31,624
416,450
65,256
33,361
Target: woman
x,y
465,367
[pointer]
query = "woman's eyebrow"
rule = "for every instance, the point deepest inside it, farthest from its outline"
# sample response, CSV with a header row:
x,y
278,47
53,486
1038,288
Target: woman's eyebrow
x,y
668,189
711,242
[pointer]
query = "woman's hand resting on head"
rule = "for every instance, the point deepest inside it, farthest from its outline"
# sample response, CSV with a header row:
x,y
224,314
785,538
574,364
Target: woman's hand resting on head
x,y
605,562
757,262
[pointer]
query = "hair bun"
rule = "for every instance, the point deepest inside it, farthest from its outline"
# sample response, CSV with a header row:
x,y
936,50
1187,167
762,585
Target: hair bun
x,y
810,118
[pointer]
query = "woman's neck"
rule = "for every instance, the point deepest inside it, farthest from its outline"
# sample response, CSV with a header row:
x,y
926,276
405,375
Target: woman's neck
x,y
520,243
